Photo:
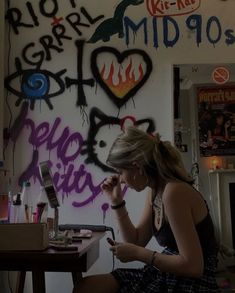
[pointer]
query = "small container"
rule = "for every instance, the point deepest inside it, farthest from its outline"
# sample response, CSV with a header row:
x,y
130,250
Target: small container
x,y
9,201
27,201
22,236
4,208
17,210
4,200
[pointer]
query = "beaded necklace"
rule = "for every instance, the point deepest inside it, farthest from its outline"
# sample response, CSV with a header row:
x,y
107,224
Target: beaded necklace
x,y
158,210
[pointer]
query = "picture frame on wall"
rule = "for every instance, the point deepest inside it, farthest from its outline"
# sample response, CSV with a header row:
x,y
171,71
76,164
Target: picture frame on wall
x,y
216,119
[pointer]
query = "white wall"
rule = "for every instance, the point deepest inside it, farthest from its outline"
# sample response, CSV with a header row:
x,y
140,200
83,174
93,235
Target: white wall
x,y
2,9
153,100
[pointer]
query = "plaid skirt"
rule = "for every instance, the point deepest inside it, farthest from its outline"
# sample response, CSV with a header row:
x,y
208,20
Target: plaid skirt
x,y
149,279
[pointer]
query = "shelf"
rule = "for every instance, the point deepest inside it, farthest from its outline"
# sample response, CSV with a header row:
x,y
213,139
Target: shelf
x,y
222,171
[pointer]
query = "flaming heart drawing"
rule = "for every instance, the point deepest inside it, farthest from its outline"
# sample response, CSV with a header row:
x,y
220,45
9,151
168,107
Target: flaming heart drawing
x,y
120,75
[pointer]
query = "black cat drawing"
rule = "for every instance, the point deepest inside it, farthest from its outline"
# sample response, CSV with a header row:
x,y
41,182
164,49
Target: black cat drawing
x,y
102,132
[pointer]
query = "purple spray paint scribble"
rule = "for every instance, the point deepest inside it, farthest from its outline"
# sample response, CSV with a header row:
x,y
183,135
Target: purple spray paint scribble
x,y
104,207
67,145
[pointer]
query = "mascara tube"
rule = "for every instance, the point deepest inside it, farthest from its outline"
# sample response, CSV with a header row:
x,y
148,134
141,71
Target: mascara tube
x,y
17,207
42,207
41,213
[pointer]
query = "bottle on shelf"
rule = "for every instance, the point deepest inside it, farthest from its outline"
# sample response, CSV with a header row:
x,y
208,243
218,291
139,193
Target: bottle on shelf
x,y
17,209
3,208
27,201
10,200
4,203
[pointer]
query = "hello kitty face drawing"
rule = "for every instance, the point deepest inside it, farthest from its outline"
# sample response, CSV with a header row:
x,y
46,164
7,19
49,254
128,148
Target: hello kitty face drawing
x,y
102,132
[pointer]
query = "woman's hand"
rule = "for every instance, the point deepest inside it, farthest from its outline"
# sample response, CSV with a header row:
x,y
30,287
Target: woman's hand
x,y
125,252
112,187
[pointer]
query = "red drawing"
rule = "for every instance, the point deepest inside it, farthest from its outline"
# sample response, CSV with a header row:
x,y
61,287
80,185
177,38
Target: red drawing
x,y
172,7
125,82
220,75
56,20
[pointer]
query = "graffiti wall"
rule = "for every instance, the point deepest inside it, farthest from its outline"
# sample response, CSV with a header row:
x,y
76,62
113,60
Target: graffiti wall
x,y
57,84
78,72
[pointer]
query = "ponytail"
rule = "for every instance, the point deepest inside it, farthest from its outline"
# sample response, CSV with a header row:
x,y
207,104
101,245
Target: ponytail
x,y
157,157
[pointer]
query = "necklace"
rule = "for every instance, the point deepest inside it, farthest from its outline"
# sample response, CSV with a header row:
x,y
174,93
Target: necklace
x,y
158,209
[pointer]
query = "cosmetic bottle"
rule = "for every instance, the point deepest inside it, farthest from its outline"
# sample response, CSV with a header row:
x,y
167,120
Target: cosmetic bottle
x,y
4,203
10,201
18,216
27,201
3,208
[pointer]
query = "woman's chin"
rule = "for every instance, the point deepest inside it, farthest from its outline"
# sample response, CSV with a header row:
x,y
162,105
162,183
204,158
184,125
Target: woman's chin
x,y
136,188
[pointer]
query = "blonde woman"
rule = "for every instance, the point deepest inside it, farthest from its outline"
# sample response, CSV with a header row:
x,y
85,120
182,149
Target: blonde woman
x,y
175,214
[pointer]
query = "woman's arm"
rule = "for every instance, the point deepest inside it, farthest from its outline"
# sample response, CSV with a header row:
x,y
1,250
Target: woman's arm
x,y
139,235
142,233
177,201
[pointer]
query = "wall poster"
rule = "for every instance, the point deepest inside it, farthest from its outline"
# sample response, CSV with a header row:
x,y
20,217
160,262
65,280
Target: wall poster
x,y
216,119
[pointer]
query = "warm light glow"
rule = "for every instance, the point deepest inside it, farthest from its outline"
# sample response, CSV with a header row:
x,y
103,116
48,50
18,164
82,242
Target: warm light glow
x,y
215,163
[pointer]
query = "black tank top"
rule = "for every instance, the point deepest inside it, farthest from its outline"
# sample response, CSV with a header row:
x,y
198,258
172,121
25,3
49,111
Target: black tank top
x,y
205,230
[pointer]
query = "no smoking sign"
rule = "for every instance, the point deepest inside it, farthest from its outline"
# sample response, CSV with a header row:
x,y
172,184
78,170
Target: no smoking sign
x,y
220,75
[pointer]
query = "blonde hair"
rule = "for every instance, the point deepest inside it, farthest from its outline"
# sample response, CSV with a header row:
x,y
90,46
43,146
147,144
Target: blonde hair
x,y
156,157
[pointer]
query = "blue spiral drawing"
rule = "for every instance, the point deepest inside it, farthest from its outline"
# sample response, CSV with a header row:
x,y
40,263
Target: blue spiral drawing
x,y
35,85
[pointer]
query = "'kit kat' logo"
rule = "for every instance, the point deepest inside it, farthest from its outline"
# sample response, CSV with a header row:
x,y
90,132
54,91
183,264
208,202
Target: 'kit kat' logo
x,y
172,7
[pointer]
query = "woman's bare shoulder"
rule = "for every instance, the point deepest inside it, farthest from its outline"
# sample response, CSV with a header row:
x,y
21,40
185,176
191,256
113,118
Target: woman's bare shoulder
x,y
178,191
